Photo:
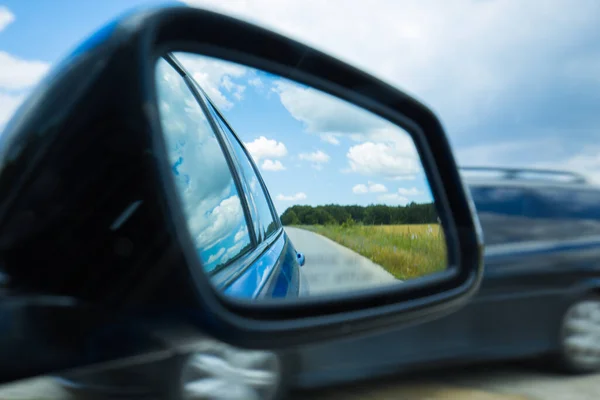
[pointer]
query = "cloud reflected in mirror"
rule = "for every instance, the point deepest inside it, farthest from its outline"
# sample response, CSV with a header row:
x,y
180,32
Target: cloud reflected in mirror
x,y
288,191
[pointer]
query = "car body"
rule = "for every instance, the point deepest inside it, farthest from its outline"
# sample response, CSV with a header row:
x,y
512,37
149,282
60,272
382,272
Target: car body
x,y
542,261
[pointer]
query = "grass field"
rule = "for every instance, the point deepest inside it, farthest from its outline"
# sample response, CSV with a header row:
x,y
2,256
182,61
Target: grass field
x,y
406,251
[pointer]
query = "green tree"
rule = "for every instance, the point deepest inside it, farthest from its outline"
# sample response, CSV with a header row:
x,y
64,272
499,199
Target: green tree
x,y
289,217
339,213
356,212
374,214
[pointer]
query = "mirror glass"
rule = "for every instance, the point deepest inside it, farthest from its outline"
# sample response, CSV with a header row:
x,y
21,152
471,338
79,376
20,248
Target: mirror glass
x,y
288,191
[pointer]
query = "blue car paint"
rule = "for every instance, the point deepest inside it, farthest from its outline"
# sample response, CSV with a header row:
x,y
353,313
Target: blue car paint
x,y
255,276
290,270
273,274
281,286
301,259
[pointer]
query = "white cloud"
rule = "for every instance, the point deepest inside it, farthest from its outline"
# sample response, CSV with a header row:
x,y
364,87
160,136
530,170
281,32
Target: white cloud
x,y
243,232
393,198
586,163
227,83
225,254
413,191
317,157
235,89
270,165
463,69
550,153
323,113
330,138
216,77
216,256
234,250
540,73
511,152
256,82
213,227
385,150
360,189
371,187
262,148
17,73
6,17
8,105
380,159
295,197
377,187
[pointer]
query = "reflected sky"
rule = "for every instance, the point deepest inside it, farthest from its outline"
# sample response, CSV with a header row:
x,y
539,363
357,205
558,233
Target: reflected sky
x,y
312,148
210,200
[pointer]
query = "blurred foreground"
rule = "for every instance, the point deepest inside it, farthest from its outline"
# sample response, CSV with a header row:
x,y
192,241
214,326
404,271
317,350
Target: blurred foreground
x,y
480,382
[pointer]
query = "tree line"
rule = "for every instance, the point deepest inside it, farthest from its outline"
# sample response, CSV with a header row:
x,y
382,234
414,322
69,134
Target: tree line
x,y
376,214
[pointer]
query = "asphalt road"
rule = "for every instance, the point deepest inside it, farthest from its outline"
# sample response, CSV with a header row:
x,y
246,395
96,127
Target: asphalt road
x,y
330,267
505,381
480,382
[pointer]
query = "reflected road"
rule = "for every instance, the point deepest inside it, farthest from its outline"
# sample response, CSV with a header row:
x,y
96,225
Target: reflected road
x,y
331,267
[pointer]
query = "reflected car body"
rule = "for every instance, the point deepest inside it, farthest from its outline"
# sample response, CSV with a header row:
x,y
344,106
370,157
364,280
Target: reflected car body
x,y
267,264
542,258
283,281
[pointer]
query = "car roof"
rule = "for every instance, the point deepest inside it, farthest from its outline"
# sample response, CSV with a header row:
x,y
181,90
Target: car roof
x,y
525,177
529,183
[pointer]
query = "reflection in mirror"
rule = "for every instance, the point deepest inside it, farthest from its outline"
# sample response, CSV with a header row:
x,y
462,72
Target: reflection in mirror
x,y
290,192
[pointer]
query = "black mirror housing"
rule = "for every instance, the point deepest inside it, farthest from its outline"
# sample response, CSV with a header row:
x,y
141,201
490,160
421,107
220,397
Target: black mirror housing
x,y
86,204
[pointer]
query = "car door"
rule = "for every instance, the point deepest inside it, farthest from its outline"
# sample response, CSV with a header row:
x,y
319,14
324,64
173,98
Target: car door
x,y
513,312
567,233
274,270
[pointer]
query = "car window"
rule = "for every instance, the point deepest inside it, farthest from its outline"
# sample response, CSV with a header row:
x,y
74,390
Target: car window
x,y
569,203
211,201
498,200
583,204
565,213
267,225
501,212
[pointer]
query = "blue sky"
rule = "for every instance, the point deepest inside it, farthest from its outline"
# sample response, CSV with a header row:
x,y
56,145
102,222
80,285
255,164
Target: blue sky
x,y
47,29
312,148
514,83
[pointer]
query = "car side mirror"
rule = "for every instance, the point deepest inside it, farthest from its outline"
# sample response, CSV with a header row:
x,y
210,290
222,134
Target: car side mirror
x,y
301,259
126,187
